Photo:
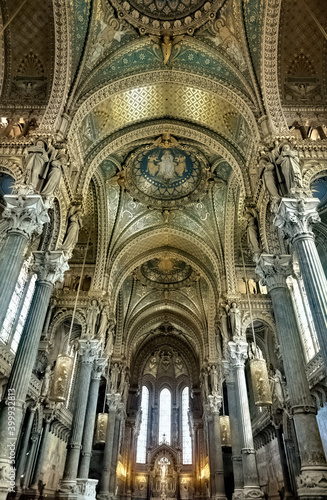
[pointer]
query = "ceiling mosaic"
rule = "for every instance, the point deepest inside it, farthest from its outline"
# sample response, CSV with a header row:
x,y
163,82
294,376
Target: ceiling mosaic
x,y
29,56
167,16
166,272
163,100
301,54
166,175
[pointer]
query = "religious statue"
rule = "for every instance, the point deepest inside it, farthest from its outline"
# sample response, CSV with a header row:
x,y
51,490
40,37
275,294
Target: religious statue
x,y
36,160
205,384
114,378
255,351
214,378
110,337
278,390
290,166
103,324
71,236
91,318
46,381
252,232
122,381
269,178
234,314
55,173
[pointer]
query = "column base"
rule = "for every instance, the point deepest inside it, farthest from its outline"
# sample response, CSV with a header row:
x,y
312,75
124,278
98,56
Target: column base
x,y
238,494
80,489
252,492
312,483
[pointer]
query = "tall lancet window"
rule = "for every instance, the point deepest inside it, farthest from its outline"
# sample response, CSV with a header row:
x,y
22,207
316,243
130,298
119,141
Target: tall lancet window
x,y
187,441
165,416
142,439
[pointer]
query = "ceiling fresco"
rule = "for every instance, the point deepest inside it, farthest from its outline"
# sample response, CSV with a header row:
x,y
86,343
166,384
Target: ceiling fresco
x,y
164,100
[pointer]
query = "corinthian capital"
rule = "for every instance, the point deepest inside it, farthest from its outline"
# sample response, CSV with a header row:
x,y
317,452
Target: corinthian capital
x,y
214,403
274,269
50,266
88,350
238,353
99,368
26,213
296,216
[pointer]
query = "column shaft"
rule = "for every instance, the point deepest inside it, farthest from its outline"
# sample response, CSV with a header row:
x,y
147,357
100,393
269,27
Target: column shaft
x,y
84,466
41,454
21,467
107,455
114,461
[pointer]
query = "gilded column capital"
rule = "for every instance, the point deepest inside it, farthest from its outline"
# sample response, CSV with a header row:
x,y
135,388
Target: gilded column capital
x,y
238,353
88,350
50,266
274,269
296,216
27,214
99,368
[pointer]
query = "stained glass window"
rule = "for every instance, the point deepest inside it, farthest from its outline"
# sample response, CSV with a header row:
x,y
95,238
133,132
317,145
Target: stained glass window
x,y
142,439
165,416
187,441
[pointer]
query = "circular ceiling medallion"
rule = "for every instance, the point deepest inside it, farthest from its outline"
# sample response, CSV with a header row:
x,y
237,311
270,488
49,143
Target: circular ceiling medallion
x,y
166,177
172,17
166,272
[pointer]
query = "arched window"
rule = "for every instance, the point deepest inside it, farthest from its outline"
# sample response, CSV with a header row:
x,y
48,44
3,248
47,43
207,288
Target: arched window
x,y
18,308
165,416
187,441
142,439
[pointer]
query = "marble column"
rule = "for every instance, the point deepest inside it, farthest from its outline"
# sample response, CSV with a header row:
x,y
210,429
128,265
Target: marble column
x,y
27,215
238,354
87,441
21,466
87,352
50,267
113,404
215,450
283,462
115,450
295,218
42,449
234,430
29,462
273,271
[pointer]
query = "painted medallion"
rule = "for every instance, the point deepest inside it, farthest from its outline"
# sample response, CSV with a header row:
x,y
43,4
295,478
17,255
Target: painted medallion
x,y
166,176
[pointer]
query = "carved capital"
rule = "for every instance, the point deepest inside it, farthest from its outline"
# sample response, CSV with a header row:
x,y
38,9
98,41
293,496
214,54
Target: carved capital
x,y
214,403
296,216
274,269
50,266
26,213
88,350
98,368
238,353
113,401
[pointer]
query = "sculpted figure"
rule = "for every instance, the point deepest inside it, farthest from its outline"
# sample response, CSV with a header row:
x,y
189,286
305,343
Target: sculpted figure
x,y
214,379
269,179
103,324
255,351
290,166
36,159
114,378
91,318
54,175
252,233
46,381
234,314
74,225
278,388
110,339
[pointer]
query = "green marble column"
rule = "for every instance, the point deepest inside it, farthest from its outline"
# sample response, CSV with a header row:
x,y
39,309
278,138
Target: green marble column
x,y
273,271
50,267
27,214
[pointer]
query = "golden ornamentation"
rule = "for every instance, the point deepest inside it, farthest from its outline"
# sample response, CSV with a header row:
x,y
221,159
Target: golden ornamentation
x,y
260,382
61,378
101,428
225,431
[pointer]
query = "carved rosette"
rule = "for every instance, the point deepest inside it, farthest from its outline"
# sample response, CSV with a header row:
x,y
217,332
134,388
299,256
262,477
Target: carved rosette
x,y
50,266
27,213
295,217
238,353
274,269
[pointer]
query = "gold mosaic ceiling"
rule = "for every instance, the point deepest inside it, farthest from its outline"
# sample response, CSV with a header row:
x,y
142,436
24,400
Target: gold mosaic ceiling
x,y
159,101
